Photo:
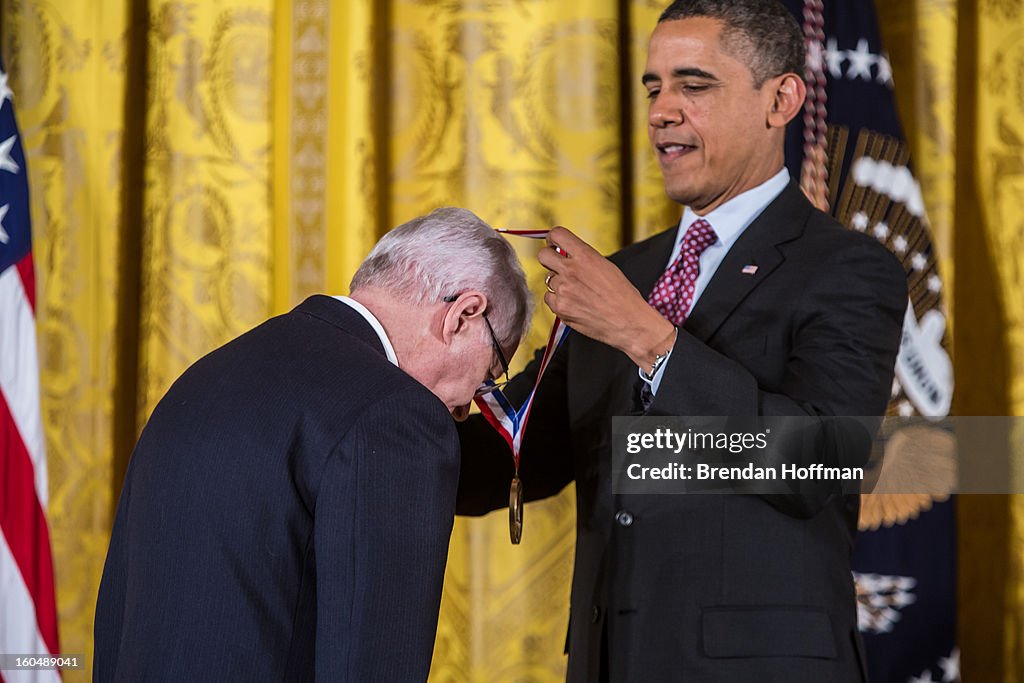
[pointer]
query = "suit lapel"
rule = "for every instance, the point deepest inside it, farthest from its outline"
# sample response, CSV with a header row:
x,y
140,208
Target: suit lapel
x,y
781,221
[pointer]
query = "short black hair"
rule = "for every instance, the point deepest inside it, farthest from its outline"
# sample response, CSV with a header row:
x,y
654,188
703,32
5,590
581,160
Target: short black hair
x,y
761,33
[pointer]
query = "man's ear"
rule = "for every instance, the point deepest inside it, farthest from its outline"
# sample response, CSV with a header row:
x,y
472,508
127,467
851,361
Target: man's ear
x,y
467,306
789,92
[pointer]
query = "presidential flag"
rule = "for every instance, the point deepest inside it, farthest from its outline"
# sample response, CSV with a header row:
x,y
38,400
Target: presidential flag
x,y
28,615
851,158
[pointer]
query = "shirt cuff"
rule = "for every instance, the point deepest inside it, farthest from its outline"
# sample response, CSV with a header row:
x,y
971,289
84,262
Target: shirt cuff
x,y
655,382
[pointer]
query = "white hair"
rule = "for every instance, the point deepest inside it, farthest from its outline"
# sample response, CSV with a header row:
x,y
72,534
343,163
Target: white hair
x,y
446,253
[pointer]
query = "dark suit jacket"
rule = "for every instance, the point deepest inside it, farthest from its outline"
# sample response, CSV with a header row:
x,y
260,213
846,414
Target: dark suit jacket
x,y
285,517
715,587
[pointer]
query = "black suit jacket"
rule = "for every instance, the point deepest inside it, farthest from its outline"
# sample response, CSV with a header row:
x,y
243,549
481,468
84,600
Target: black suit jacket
x,y
715,587
285,517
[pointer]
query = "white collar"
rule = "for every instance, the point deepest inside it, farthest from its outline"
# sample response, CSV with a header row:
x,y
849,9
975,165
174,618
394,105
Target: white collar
x,y
730,219
389,350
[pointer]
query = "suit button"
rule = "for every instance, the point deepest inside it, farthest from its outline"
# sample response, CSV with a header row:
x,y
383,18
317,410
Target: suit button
x,y
624,518
595,616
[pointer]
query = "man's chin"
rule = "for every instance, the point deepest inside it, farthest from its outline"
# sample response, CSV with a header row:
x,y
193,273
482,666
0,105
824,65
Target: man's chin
x,y
681,195
699,202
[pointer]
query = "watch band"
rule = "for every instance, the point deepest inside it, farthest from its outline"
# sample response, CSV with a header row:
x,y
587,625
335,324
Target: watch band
x,y
659,359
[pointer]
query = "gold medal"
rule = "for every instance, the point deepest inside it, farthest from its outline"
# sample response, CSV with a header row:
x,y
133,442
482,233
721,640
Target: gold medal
x,y
515,511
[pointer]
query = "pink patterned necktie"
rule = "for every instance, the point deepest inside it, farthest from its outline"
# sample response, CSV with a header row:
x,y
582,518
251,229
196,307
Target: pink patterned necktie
x,y
672,295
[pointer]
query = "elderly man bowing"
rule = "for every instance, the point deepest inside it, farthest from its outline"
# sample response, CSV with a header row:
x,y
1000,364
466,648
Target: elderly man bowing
x,y
287,510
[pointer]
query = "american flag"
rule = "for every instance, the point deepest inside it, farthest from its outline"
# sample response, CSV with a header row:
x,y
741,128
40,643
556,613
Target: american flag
x,y
28,614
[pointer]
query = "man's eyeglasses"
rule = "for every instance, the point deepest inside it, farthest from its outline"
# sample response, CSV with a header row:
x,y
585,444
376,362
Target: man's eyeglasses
x,y
490,385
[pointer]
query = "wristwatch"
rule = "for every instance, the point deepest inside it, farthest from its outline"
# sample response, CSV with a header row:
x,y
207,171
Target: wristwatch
x,y
659,360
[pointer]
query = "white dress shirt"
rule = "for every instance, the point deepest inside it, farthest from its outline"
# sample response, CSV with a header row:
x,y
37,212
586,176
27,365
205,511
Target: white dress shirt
x,y
389,350
728,221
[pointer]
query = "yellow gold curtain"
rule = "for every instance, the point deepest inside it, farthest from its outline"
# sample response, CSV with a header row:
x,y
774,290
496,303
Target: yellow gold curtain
x,y
990,229
196,167
958,70
206,225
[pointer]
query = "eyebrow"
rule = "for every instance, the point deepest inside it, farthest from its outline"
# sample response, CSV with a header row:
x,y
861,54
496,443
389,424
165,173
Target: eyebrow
x,y
681,72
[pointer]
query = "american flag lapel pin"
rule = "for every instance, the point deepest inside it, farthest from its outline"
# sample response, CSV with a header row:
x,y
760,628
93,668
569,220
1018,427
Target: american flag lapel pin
x,y
749,269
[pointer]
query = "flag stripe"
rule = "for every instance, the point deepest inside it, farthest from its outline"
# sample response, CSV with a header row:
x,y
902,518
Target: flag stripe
x,y
18,634
28,280
19,373
23,525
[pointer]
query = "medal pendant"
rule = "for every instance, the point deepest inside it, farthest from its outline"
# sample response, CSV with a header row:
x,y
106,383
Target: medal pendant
x,y
515,511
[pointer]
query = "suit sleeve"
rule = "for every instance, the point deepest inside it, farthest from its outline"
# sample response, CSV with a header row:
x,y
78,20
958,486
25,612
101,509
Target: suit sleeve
x,y
383,520
840,362
546,465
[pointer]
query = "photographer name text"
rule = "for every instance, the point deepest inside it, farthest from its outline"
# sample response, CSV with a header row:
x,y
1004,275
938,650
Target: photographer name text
x,y
749,472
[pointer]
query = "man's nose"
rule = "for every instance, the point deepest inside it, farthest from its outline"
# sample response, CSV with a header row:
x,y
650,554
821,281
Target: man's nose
x,y
663,113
